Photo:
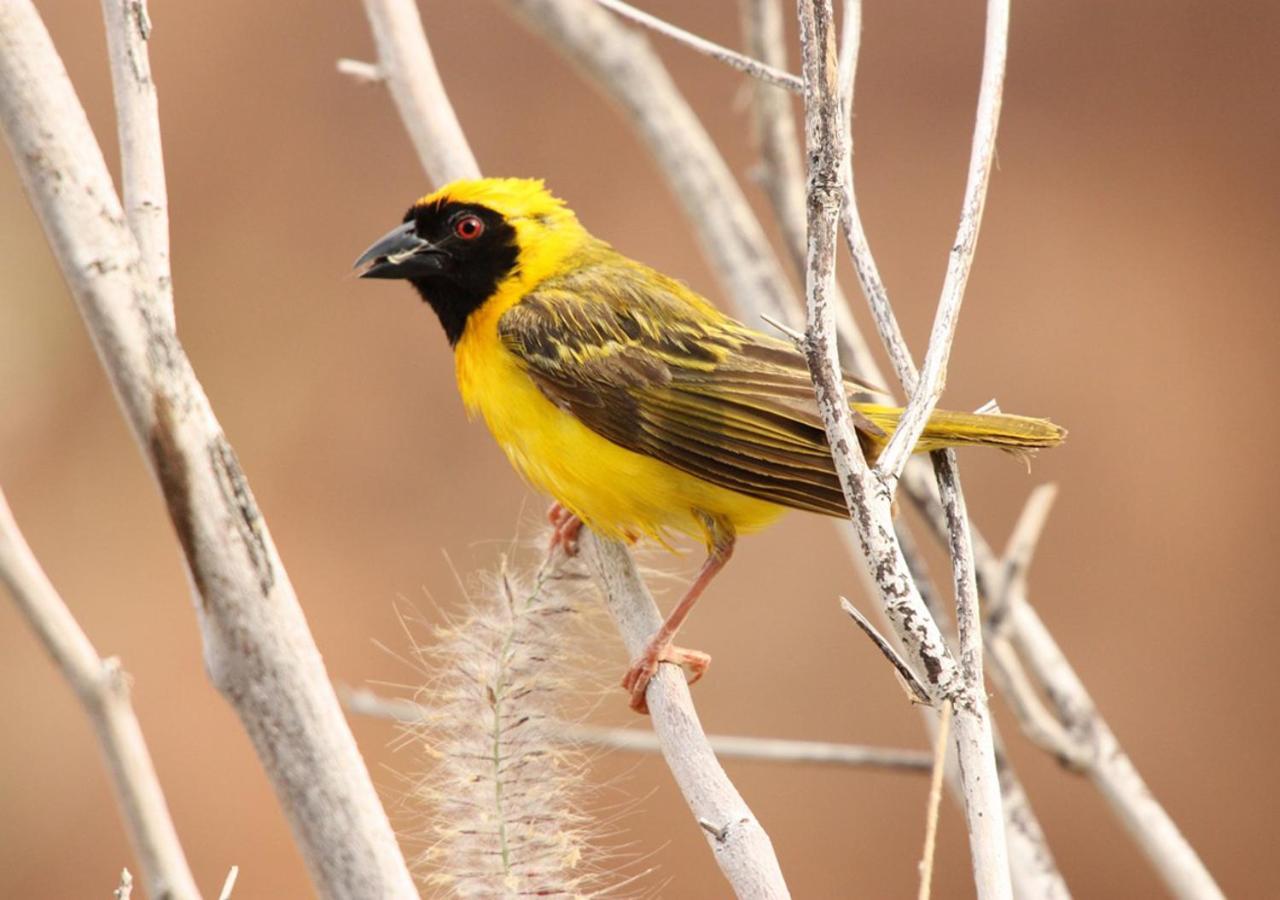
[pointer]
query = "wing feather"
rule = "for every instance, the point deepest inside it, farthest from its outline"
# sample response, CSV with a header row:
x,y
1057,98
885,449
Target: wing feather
x,y
643,362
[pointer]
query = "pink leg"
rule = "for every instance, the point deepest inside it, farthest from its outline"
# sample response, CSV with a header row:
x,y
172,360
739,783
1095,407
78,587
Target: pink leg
x,y
660,649
565,527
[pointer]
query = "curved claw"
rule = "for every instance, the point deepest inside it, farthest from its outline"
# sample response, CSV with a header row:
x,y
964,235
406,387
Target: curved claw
x,y
637,679
565,527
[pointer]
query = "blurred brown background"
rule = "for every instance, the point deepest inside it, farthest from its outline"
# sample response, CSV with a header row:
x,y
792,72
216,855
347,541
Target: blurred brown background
x,y
1125,285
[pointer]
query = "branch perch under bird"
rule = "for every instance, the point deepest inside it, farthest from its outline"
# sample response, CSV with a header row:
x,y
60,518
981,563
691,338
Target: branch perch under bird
x,y
644,87
741,847
747,859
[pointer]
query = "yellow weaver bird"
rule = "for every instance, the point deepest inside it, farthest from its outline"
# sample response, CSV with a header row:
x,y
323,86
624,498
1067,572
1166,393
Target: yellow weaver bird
x,y
639,407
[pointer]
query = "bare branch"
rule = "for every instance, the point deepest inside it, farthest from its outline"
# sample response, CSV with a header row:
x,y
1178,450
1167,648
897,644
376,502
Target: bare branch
x,y
1034,718
103,689
866,493
776,750
940,743
975,741
925,397
847,61
740,844
405,61
1095,749
735,60
258,650
1036,721
914,687
1033,868
146,197
1034,871
868,500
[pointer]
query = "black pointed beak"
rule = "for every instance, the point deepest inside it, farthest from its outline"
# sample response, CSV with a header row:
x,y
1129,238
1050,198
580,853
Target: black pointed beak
x,y
400,253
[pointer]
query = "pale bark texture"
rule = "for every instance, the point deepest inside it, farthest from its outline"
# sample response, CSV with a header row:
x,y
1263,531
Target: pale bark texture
x,y
258,651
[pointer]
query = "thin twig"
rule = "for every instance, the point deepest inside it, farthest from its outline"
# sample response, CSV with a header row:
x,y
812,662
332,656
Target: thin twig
x,y
773,750
934,374
940,743
914,687
1033,868
1036,871
867,494
146,197
975,740
796,337
735,60
847,60
867,499
103,690
1034,718
229,884
258,650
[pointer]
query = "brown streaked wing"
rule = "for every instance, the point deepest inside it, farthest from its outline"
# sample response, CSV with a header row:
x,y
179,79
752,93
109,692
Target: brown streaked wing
x,y
652,372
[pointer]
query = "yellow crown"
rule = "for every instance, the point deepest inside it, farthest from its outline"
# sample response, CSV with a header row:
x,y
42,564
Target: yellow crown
x,y
512,198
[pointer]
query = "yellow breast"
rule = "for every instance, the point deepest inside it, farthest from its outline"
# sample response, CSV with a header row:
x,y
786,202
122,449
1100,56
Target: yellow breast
x,y
615,491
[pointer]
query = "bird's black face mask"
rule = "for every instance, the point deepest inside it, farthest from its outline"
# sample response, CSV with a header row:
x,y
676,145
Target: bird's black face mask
x,y
454,254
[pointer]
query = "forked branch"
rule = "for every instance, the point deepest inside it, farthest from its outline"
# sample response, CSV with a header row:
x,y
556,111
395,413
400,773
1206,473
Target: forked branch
x,y
933,377
868,493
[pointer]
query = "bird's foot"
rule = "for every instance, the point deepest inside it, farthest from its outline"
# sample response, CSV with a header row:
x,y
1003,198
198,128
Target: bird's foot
x,y
565,527
637,679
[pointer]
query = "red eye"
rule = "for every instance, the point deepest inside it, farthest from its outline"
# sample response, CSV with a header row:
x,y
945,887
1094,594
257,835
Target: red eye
x,y
469,227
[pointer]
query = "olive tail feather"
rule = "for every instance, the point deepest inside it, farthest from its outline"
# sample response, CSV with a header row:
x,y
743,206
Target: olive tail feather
x,y
1015,434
